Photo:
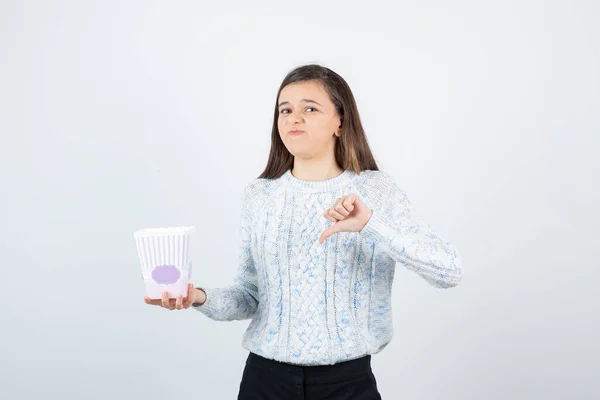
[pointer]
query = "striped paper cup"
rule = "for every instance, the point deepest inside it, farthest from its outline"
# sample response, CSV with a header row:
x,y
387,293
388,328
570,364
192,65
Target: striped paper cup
x,y
165,259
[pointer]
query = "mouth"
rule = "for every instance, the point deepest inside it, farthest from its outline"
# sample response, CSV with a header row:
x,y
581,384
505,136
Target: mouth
x,y
295,133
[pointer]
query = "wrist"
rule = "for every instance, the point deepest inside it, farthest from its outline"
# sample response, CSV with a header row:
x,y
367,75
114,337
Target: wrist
x,y
199,297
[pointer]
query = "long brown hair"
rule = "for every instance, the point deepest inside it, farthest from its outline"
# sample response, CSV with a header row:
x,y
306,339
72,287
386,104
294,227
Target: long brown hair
x,y
352,150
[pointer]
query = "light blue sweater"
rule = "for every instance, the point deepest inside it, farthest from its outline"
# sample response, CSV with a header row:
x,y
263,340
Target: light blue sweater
x,y
316,304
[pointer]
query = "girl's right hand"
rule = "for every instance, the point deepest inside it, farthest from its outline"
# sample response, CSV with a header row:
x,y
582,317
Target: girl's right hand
x,y
180,303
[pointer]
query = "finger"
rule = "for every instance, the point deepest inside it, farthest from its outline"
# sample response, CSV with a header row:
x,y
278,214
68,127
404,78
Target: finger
x,y
179,302
349,201
148,300
188,300
339,207
165,300
328,217
335,214
172,302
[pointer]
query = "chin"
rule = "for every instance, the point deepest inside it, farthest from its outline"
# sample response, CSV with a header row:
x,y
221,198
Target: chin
x,y
299,152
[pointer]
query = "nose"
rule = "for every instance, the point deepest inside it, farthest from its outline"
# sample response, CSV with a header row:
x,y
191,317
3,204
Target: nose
x,y
294,118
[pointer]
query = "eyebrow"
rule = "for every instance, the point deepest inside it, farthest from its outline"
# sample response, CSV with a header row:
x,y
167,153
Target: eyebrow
x,y
304,100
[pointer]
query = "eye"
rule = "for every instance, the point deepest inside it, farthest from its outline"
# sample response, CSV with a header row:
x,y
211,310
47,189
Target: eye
x,y
287,111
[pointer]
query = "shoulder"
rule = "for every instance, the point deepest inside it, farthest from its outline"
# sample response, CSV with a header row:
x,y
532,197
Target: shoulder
x,y
378,187
378,181
257,191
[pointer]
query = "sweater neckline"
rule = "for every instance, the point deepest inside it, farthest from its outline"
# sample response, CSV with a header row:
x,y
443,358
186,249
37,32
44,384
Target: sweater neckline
x,y
326,185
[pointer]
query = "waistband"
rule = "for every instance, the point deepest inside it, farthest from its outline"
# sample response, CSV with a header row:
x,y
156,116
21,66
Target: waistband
x,y
316,374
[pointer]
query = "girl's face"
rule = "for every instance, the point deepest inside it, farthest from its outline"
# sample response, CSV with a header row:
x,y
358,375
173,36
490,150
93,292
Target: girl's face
x,y
308,122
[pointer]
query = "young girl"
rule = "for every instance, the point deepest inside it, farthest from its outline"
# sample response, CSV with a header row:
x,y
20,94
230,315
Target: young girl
x,y
322,230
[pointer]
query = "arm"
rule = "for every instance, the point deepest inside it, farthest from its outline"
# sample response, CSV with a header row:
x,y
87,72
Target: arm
x,y
240,300
406,238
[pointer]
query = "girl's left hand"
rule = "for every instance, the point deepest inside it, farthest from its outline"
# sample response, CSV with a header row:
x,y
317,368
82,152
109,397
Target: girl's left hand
x,y
349,213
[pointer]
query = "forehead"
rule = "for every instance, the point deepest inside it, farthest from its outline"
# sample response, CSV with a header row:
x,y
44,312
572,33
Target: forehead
x,y
313,90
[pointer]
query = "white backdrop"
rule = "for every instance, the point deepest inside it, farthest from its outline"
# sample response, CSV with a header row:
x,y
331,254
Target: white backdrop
x,y
116,116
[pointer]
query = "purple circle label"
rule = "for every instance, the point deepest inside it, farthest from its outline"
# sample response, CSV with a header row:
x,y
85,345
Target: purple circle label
x,y
166,274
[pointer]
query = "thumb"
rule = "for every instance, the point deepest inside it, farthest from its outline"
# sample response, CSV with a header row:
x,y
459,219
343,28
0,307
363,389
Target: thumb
x,y
330,231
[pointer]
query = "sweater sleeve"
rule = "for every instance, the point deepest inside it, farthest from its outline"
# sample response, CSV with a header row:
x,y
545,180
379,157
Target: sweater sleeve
x,y
401,234
238,301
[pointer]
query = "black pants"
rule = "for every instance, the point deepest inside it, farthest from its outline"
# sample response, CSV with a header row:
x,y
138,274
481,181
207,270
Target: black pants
x,y
264,379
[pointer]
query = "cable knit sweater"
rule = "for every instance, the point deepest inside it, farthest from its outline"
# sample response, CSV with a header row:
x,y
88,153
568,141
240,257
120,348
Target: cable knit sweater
x,y
317,304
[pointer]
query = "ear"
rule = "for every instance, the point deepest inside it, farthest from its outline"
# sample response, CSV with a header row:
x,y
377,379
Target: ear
x,y
338,132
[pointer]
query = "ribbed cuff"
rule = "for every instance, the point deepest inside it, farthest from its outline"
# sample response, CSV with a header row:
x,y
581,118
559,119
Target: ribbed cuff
x,y
208,307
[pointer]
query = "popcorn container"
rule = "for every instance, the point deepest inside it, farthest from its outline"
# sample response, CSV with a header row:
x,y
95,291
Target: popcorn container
x,y
164,255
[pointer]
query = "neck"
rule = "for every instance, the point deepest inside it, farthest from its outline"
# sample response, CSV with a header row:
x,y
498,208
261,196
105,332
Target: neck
x,y
316,170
